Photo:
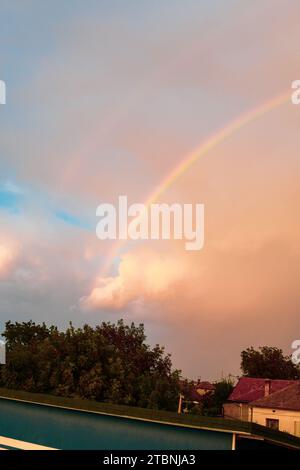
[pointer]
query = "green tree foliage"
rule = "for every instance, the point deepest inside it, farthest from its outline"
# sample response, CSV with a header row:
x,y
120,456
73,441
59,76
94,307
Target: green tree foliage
x,y
213,403
268,362
209,404
110,362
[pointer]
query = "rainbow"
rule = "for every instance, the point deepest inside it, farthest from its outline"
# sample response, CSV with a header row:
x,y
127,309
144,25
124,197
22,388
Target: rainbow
x,y
191,158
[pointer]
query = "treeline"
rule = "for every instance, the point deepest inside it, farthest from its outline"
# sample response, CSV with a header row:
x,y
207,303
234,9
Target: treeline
x,y
110,362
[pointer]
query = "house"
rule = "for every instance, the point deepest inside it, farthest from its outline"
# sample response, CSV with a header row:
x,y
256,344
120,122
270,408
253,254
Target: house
x,y
280,410
203,388
194,392
248,390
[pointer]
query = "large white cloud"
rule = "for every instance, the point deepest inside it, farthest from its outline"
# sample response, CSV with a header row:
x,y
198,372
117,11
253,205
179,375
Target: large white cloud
x,y
143,275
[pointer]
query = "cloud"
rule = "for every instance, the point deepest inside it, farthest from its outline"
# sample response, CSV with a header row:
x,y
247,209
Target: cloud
x,y
8,256
238,280
144,276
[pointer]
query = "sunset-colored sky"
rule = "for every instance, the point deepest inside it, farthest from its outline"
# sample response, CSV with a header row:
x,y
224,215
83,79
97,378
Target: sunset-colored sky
x,y
109,98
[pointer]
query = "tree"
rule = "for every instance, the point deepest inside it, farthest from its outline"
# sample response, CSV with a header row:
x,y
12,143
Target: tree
x,y
213,403
268,362
110,362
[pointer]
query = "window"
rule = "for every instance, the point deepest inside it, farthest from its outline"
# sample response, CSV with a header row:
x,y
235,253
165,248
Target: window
x,y
272,423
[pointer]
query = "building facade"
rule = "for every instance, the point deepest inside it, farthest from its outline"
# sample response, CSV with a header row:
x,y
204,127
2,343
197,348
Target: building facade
x,y
280,410
249,390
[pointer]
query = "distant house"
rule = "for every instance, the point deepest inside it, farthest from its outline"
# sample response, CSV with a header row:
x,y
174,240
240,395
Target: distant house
x,y
248,390
196,393
203,388
280,410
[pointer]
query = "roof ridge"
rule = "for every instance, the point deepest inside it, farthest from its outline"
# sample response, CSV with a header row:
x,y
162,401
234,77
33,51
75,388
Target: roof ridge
x,y
280,398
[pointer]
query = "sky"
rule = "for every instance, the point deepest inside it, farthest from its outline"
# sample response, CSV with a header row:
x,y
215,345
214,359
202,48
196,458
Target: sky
x,y
107,98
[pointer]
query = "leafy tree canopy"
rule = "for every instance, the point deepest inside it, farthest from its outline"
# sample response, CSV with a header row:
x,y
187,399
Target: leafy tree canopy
x,y
110,362
268,362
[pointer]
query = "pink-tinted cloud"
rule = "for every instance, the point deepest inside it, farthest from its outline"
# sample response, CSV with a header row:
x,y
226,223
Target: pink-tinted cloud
x,y
144,276
8,256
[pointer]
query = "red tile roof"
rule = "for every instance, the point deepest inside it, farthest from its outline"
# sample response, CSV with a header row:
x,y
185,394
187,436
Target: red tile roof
x,y
286,399
192,393
249,389
205,386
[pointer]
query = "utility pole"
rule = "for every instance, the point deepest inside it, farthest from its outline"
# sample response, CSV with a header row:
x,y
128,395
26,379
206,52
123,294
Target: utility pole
x,y
180,403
